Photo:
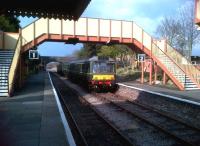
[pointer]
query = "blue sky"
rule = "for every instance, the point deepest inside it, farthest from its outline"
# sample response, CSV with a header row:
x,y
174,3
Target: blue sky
x,y
146,13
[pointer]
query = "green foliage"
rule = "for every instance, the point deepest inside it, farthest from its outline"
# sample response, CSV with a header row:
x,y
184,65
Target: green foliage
x,y
121,53
9,23
108,51
88,50
113,51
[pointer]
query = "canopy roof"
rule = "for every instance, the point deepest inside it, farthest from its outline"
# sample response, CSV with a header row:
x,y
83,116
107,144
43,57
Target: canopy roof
x,y
66,9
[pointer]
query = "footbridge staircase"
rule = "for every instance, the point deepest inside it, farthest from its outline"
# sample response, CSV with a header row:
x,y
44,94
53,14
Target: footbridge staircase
x,y
181,71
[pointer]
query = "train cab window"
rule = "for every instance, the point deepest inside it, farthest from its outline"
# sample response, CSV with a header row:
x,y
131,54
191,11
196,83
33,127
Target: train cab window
x,y
111,67
103,67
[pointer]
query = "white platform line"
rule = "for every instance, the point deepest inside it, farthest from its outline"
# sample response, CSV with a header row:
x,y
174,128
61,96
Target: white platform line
x,y
165,95
68,132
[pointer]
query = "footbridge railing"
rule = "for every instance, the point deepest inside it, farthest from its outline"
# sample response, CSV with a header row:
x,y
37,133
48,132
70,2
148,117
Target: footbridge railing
x,y
13,67
101,30
184,64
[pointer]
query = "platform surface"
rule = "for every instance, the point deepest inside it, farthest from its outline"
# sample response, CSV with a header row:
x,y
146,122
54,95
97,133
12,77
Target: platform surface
x,y
193,95
31,117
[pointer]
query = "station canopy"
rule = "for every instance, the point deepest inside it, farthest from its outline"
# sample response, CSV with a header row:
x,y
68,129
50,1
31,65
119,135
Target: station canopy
x,y
65,9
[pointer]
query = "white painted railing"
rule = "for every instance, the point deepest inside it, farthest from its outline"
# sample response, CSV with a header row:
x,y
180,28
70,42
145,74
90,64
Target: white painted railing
x,y
95,28
86,27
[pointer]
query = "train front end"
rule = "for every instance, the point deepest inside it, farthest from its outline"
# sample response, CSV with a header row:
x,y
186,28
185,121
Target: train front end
x,y
103,75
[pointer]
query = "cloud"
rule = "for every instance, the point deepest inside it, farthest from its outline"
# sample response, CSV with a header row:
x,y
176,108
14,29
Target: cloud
x,y
148,24
147,13
132,10
58,49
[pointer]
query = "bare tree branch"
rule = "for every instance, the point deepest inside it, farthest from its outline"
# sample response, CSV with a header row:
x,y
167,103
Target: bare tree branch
x,y
180,30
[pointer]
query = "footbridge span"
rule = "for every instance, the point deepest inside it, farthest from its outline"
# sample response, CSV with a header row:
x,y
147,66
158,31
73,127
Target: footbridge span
x,y
177,68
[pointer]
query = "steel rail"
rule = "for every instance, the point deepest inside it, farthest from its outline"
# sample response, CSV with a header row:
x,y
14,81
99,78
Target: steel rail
x,y
158,112
164,115
183,141
126,140
82,138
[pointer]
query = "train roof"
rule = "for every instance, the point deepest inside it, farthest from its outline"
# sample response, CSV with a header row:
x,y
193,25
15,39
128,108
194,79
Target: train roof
x,y
53,63
92,59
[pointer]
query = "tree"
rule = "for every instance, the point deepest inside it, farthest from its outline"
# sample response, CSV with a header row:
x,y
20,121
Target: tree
x,y
169,28
119,52
88,50
9,23
180,30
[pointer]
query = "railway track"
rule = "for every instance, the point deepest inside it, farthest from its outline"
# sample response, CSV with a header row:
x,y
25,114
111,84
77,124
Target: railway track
x,y
89,128
182,132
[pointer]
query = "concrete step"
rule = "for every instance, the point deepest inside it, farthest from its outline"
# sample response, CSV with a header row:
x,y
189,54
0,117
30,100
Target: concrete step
x,y
4,67
190,85
3,87
5,60
4,90
182,77
3,81
188,82
4,64
4,71
3,77
4,94
3,84
192,88
3,74
6,56
7,51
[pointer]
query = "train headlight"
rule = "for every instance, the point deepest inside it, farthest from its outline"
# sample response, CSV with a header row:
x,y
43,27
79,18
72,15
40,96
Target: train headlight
x,y
112,78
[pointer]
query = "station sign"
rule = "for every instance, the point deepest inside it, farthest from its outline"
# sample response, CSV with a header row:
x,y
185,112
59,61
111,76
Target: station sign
x,y
33,54
141,57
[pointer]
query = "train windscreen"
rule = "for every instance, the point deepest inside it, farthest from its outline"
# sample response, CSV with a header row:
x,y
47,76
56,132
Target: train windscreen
x,y
103,67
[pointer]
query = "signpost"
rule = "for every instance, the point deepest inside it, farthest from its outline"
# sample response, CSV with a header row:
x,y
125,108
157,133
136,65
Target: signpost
x,y
33,54
141,57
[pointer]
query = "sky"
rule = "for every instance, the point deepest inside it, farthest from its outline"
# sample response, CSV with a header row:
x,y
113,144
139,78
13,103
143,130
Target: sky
x,y
146,13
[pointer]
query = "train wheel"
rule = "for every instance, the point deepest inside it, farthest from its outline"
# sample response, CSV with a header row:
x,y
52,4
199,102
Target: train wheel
x,y
114,88
97,89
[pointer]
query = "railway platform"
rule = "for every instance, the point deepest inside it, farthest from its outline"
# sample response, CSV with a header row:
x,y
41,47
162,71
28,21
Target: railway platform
x,y
32,117
191,96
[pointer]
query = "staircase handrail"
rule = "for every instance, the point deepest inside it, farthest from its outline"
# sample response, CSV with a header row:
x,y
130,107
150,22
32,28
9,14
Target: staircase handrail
x,y
166,55
153,43
182,56
188,68
13,66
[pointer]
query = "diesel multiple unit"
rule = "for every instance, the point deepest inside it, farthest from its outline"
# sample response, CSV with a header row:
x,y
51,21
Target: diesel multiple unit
x,y
94,73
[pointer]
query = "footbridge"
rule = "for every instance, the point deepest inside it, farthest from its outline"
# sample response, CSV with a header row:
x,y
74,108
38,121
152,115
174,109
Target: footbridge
x,y
184,75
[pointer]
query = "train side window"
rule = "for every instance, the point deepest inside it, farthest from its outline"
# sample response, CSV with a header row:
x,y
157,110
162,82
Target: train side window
x,y
85,67
81,68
